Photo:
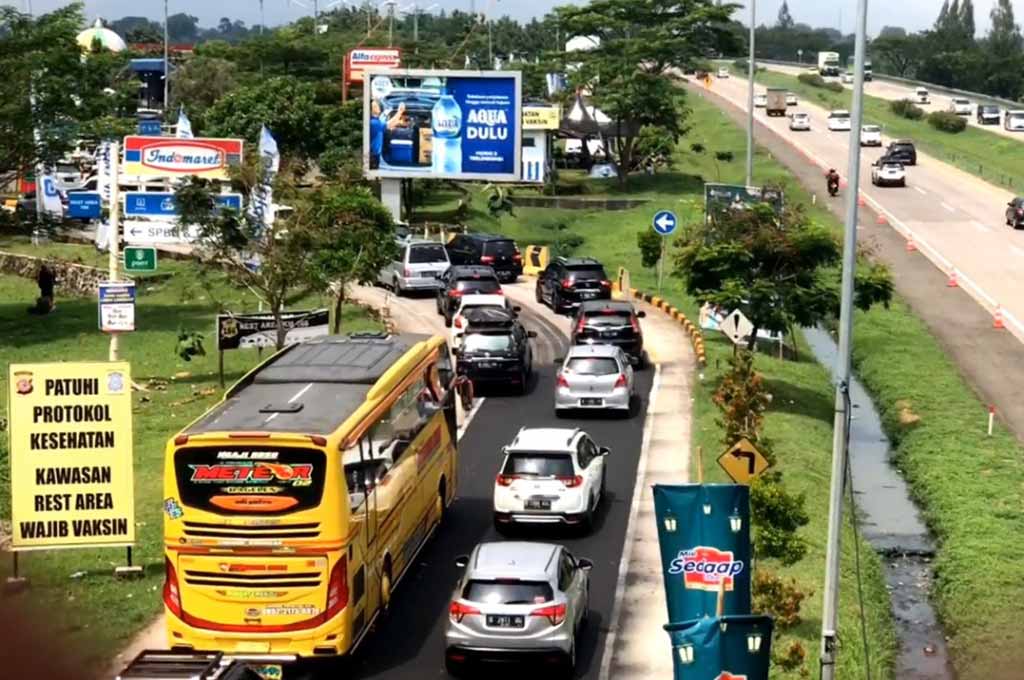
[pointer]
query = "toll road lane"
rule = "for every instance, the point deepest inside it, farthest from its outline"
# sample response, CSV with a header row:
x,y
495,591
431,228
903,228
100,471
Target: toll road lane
x,y
984,258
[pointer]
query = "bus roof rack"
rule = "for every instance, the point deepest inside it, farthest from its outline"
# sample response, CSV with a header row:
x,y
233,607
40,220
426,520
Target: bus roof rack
x,y
175,664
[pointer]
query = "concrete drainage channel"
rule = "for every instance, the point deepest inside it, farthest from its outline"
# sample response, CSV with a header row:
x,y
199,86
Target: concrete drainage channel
x,y
891,523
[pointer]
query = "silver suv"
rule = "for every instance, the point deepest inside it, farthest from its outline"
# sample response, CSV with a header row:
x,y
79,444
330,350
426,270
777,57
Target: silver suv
x,y
417,267
517,601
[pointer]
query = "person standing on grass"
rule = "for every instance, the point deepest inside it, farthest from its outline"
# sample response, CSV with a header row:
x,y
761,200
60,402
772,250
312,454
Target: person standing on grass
x,y
46,279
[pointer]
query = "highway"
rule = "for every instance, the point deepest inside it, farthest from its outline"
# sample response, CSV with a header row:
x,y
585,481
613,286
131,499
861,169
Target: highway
x,y
892,91
955,219
409,641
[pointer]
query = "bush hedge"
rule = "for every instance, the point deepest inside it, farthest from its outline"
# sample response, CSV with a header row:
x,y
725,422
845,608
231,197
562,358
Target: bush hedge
x,y
906,109
947,121
815,80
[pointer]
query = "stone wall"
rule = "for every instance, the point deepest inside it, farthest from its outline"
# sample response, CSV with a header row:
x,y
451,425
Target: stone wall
x,y
578,203
72,278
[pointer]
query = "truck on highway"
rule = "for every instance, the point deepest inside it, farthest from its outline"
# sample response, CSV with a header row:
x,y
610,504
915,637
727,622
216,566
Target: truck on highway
x,y
776,105
851,67
828,63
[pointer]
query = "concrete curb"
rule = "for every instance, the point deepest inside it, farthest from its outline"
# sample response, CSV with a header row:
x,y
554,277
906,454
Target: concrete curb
x,y
696,337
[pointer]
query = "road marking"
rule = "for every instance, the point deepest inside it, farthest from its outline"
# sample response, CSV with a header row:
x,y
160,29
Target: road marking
x,y
921,191
634,509
300,393
948,207
979,226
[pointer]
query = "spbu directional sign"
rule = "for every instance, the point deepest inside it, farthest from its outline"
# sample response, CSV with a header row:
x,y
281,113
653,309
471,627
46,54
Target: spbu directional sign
x,y
743,462
172,157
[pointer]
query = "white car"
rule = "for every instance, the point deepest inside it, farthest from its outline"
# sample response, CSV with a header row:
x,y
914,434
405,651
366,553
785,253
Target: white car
x,y
723,73
549,476
790,99
799,121
921,95
870,135
459,320
595,377
1014,120
884,173
839,120
760,101
961,106
847,78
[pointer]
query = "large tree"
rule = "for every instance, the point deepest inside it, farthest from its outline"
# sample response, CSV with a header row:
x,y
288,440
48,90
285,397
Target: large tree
x,y
1004,38
785,19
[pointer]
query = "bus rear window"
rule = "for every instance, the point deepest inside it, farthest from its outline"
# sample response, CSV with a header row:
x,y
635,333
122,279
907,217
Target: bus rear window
x,y
246,480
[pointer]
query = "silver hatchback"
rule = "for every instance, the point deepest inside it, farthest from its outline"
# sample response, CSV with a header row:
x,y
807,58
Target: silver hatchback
x,y
594,377
517,601
417,267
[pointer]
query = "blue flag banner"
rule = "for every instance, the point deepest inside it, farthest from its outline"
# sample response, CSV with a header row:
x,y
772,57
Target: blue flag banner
x,y
726,648
704,534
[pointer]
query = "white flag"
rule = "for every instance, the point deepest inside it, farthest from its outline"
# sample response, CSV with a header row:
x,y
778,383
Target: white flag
x,y
184,125
268,150
261,203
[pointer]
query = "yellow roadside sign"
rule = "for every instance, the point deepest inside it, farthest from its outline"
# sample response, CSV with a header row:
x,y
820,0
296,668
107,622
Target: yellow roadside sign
x,y
541,117
743,462
70,427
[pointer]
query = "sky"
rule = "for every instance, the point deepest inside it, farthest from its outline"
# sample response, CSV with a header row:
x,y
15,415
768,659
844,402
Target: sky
x,y
910,14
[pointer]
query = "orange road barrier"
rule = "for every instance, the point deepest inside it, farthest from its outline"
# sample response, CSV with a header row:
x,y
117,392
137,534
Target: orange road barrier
x,y
910,244
997,319
881,219
952,283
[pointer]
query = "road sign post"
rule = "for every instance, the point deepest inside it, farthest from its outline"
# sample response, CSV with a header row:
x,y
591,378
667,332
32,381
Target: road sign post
x,y
664,223
139,260
743,462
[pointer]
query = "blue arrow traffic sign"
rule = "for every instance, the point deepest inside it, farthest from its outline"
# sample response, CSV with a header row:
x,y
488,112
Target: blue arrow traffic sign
x,y
664,222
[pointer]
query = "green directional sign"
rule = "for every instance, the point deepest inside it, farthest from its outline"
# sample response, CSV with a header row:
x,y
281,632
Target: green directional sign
x,y
139,259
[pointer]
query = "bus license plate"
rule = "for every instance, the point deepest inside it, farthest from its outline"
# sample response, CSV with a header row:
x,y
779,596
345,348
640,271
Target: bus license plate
x,y
505,620
537,504
268,671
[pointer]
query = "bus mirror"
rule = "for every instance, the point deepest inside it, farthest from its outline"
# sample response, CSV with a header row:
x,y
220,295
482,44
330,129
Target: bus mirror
x,y
462,561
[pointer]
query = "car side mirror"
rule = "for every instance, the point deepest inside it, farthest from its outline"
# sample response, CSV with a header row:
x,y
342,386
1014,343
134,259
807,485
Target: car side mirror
x,y
584,564
604,451
462,561
517,309
641,314
531,334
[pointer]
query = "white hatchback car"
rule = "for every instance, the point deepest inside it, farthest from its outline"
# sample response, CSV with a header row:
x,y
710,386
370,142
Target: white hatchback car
x,y
847,78
760,101
459,320
723,72
888,174
839,121
870,135
594,377
961,106
549,476
790,99
800,121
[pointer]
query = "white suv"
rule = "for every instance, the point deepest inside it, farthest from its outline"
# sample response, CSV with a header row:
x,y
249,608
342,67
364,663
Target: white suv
x,y
549,476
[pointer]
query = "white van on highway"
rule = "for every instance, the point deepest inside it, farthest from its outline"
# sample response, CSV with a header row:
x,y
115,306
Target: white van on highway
x,y
839,121
921,96
1014,120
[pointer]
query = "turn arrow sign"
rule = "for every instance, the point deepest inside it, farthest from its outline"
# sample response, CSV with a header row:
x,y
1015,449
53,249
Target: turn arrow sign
x,y
664,222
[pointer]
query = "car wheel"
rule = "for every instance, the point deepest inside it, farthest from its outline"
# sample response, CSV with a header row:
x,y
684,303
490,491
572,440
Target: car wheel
x,y
453,669
903,182
503,528
556,302
570,659
524,381
397,288
559,412
447,321
537,295
587,525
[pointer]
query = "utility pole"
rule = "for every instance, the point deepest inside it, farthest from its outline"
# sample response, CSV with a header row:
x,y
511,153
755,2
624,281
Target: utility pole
x,y
316,17
750,97
167,68
843,407
415,26
262,20
114,235
490,43
391,23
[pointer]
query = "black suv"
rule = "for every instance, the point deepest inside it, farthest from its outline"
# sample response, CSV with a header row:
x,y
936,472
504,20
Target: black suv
x,y
901,151
495,349
498,252
568,281
459,281
987,114
1015,213
610,322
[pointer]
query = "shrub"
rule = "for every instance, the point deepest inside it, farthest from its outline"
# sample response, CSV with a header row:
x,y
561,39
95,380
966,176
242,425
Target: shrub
x,y
833,86
812,79
791,658
776,516
649,242
947,121
906,109
697,147
724,156
777,597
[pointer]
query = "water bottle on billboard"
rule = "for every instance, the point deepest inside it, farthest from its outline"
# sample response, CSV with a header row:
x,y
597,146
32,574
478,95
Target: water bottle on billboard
x,y
446,145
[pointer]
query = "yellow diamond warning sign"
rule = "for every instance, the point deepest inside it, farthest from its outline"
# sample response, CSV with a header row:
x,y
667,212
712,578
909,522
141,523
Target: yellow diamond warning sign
x,y
743,462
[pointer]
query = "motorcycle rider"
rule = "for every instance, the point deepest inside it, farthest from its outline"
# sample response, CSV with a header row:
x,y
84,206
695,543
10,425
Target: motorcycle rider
x,y
832,181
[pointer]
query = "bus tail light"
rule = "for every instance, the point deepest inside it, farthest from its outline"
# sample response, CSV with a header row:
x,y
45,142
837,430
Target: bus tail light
x,y
337,588
458,611
554,613
172,597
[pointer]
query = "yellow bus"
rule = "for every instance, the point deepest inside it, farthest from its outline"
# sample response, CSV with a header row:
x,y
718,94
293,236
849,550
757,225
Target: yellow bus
x,y
294,506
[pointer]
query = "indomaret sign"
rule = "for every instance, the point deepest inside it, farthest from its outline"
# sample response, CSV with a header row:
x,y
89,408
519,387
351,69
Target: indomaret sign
x,y
71,455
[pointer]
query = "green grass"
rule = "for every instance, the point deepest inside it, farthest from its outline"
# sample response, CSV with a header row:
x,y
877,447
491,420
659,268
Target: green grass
x,y
800,424
992,157
94,612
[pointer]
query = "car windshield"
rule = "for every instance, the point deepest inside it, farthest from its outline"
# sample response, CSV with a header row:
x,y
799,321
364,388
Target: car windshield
x,y
487,342
892,166
539,465
989,109
478,286
428,253
611,318
508,591
592,366
500,248
870,128
800,116
839,114
586,273
961,101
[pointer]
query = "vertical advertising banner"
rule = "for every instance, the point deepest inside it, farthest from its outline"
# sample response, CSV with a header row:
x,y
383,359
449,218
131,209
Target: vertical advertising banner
x,y
71,455
442,124
704,534
727,648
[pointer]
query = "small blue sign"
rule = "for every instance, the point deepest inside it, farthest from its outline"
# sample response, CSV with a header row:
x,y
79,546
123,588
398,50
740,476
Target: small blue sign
x,y
150,128
161,204
84,205
664,222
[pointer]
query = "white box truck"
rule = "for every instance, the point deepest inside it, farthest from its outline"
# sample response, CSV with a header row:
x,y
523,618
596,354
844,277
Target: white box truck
x,y
828,63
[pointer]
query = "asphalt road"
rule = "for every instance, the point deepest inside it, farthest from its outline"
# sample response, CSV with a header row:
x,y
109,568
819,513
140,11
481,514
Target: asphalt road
x,y
409,641
958,220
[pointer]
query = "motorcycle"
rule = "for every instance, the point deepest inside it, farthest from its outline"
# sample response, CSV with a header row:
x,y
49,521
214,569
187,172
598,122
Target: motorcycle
x,y
833,186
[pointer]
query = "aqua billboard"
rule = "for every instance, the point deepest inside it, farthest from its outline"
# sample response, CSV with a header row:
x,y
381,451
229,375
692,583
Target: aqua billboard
x,y
726,648
442,124
704,536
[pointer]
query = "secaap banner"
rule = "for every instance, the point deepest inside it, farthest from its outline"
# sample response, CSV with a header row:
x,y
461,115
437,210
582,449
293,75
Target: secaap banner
x,y
726,648
443,124
704,534
173,157
726,197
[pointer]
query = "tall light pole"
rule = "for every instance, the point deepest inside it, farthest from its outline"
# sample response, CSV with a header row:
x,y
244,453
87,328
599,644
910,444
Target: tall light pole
x,y
262,20
750,97
167,68
843,407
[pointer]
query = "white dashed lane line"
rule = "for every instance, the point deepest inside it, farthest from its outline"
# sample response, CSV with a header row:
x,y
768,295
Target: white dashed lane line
x,y
948,207
920,190
979,226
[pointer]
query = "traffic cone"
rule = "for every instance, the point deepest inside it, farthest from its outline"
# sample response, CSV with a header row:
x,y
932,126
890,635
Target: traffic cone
x,y
881,219
997,319
952,282
860,200
911,247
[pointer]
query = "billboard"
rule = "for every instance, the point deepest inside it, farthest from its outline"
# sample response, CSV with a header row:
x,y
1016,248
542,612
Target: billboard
x,y
71,455
723,197
442,124
704,535
358,60
726,648
236,331
173,157
161,204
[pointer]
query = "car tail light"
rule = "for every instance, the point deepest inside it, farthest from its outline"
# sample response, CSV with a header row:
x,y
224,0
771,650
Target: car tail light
x,y
337,588
458,611
635,322
561,381
605,283
407,272
486,259
566,283
457,322
621,382
571,482
1020,213
455,293
500,291
517,257
172,597
505,480
581,324
554,613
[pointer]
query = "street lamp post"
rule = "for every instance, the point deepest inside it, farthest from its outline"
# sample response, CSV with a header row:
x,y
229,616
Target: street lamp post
x,y
167,67
750,98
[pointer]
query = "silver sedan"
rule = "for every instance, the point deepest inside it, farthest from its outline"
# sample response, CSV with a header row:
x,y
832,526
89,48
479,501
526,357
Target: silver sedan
x,y
594,377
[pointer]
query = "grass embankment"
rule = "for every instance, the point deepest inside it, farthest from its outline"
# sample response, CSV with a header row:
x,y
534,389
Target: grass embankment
x,y
800,421
994,158
75,589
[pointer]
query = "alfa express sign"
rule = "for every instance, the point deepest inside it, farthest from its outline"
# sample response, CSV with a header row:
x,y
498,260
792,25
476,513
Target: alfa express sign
x,y
171,157
362,58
